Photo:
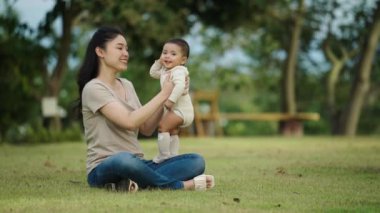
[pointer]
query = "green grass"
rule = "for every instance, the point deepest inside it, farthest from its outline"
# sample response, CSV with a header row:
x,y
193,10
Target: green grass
x,y
319,174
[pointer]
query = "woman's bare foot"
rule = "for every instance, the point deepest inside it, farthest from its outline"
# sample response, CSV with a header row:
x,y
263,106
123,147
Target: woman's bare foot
x,y
210,181
188,185
200,183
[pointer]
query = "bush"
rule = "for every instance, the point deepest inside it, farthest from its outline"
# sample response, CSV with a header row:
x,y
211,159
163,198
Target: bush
x,y
250,128
37,134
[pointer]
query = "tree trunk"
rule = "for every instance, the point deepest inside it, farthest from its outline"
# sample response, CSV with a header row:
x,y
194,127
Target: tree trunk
x,y
337,64
68,15
288,96
361,84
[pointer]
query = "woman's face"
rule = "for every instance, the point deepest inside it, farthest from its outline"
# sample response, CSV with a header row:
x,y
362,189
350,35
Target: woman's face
x,y
172,56
115,55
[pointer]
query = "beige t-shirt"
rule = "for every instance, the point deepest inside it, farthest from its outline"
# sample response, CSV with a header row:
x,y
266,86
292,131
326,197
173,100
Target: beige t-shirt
x,y
103,137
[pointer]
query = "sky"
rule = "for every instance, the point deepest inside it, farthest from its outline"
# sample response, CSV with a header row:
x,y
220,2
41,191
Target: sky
x,y
33,11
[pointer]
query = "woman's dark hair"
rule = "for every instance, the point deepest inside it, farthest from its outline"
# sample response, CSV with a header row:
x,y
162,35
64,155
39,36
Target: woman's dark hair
x,y
90,67
182,43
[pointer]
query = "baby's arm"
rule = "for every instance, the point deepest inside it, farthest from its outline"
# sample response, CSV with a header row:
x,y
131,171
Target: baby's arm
x,y
179,79
155,69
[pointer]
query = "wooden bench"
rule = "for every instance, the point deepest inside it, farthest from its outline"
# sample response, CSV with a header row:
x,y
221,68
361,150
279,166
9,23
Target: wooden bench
x,y
207,120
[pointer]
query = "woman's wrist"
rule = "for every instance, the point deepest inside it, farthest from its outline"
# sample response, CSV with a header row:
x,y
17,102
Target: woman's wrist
x,y
164,95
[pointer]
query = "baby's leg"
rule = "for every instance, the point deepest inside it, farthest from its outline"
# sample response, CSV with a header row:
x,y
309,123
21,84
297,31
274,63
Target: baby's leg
x,y
168,122
174,142
163,143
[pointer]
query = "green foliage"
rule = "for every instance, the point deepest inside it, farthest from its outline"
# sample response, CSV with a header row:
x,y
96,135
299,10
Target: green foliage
x,y
147,23
258,30
36,134
20,78
250,128
368,122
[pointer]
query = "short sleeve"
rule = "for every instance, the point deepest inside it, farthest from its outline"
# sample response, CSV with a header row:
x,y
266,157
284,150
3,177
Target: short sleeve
x,y
133,98
96,95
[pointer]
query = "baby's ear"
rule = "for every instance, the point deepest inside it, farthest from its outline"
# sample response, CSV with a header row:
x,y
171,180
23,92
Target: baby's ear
x,y
184,60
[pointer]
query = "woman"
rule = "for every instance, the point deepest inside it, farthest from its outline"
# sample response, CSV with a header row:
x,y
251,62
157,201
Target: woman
x,y
113,116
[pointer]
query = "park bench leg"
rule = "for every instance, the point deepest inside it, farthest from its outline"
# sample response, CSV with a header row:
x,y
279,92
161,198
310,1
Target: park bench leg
x,y
291,128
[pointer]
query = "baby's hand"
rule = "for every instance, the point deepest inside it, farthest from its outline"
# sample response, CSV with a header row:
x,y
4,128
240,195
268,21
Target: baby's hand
x,y
161,61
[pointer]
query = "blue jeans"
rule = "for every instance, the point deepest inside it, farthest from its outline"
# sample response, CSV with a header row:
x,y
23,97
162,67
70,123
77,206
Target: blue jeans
x,y
168,174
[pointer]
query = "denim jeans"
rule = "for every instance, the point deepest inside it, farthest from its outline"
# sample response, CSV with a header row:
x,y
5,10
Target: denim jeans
x,y
168,174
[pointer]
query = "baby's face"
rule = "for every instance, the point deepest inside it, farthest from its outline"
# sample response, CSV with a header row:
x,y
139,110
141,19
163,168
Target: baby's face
x,y
172,56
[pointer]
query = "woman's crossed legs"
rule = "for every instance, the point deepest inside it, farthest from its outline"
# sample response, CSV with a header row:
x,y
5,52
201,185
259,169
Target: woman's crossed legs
x,y
174,173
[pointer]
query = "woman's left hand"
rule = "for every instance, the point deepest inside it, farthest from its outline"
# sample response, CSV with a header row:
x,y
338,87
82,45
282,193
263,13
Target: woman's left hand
x,y
168,86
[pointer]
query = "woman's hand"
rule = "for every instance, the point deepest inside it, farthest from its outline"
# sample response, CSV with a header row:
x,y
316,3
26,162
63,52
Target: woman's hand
x,y
187,85
168,86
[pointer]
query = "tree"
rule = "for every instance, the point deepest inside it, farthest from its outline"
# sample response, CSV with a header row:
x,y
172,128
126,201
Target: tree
x,y
344,46
280,20
288,101
338,62
339,52
67,12
20,78
361,84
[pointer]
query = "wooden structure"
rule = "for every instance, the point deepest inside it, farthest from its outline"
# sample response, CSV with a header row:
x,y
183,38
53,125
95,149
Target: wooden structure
x,y
207,116
206,113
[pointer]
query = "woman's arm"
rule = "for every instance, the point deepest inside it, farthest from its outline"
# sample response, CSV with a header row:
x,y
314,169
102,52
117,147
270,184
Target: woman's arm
x,y
151,124
133,120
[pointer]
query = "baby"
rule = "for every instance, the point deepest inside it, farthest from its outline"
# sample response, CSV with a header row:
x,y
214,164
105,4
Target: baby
x,y
179,110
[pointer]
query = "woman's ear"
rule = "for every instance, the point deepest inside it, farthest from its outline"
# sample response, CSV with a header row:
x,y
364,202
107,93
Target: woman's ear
x,y
99,52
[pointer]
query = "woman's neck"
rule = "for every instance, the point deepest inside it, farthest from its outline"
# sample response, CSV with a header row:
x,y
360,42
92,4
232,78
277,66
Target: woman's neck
x,y
107,76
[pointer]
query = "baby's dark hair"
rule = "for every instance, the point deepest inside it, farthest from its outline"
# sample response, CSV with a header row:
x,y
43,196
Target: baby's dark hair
x,y
182,43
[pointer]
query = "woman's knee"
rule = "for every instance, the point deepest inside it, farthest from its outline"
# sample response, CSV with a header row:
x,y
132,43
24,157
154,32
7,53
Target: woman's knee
x,y
126,160
198,161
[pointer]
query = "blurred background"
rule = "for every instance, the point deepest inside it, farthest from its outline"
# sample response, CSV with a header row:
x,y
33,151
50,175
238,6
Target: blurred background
x,y
260,56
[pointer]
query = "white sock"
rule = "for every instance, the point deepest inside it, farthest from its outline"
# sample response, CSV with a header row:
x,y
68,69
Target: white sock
x,y
163,143
174,145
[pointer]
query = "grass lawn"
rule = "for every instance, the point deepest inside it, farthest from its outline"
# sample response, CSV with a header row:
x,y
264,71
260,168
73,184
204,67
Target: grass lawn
x,y
309,174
